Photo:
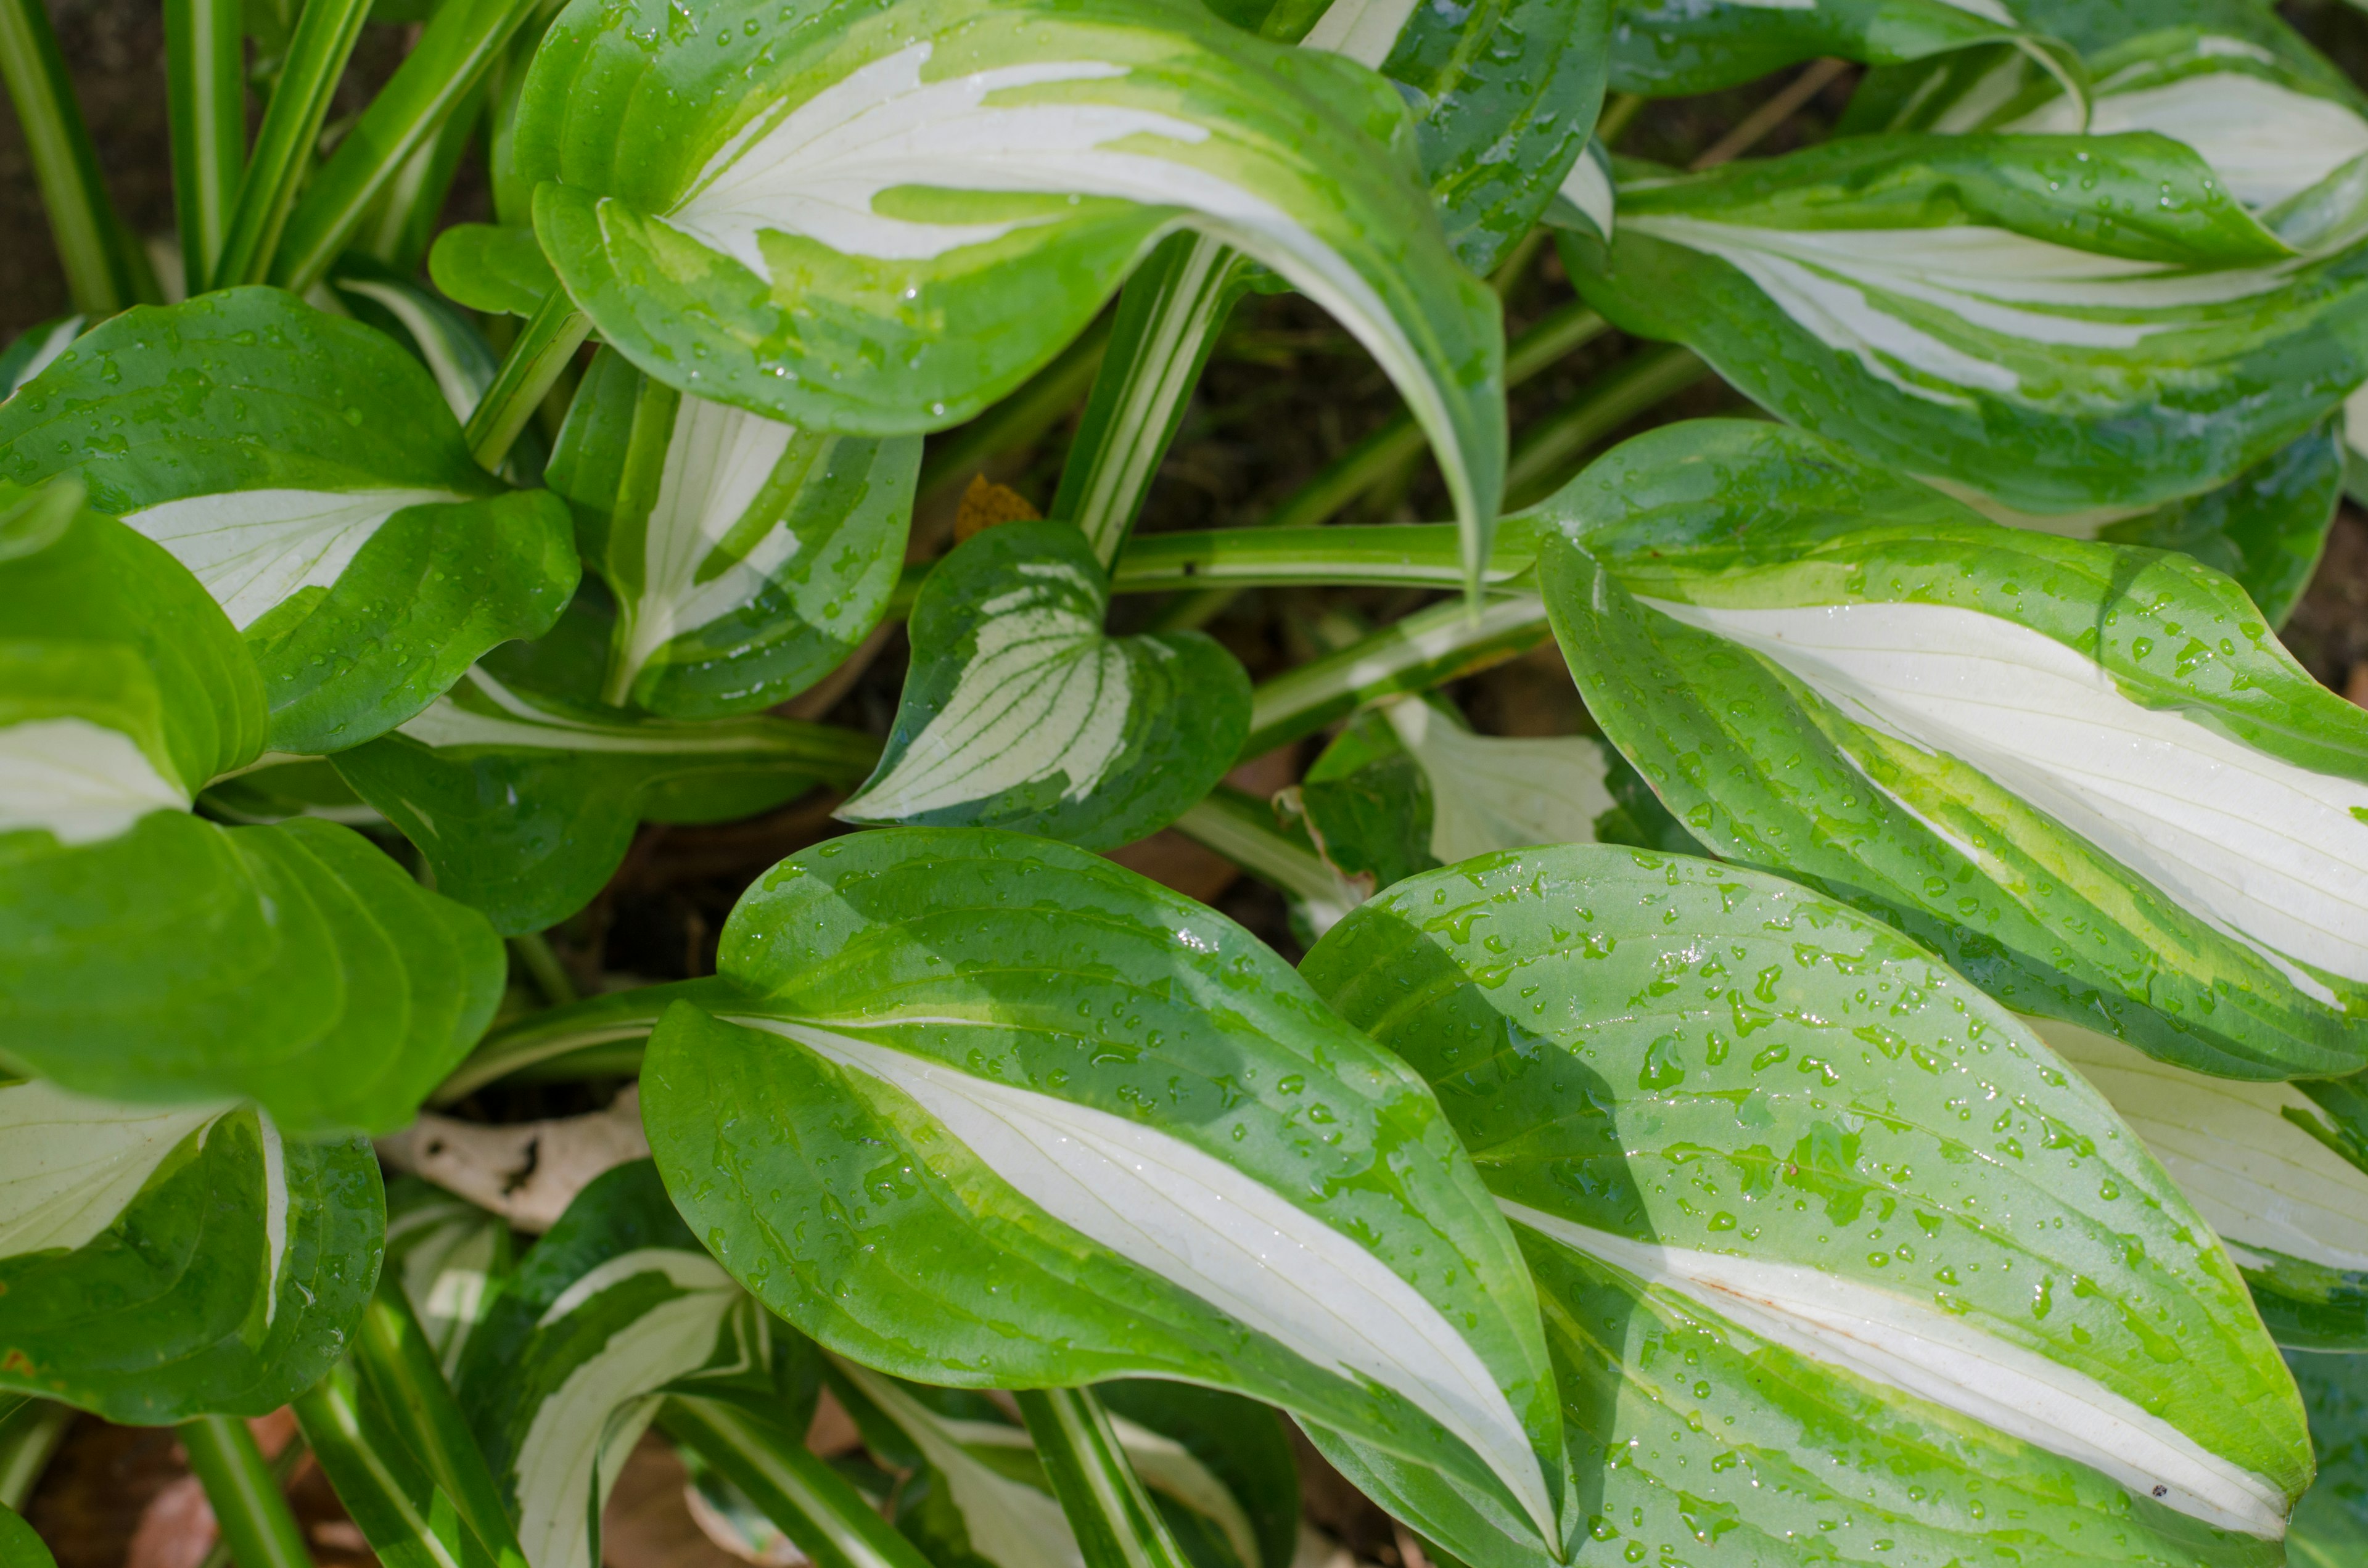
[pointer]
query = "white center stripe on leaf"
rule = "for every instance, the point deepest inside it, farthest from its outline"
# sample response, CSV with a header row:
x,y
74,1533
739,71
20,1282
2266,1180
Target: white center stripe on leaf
x,y
1589,187
2256,1178
1921,1350
1489,792
685,1270
520,725
1044,694
253,549
275,1210
2258,848
81,782
461,393
1009,1523
2264,140
1364,30
1197,1221
71,1164
719,459
59,337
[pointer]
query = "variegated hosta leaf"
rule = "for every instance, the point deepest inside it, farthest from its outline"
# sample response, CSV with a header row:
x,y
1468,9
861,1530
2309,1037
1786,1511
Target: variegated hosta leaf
x,y
160,1262
30,351
2087,773
311,476
450,1256
1585,201
886,219
2266,527
614,1304
997,1112
447,342
747,557
1218,1468
1505,93
2278,123
1410,787
2263,1164
2330,1525
523,804
277,786
1673,49
1839,1264
2061,321
1021,712
146,953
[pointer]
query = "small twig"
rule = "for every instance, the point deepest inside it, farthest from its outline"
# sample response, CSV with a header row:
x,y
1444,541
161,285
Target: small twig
x,y
1771,114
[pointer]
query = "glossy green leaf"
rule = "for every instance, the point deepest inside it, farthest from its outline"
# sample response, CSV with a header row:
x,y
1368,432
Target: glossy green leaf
x,y
146,953
613,1304
746,557
2266,527
450,1256
887,219
1021,712
2062,321
492,269
2265,1168
2087,773
928,1138
523,805
2330,1525
1671,49
1838,1264
276,787
161,1262
312,476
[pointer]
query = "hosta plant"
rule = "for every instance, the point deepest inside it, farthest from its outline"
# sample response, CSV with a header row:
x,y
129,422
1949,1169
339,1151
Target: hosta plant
x,y
1877,1081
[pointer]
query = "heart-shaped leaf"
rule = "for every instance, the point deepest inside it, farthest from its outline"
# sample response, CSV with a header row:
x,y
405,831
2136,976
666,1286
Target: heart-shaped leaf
x,y
1838,1263
1021,712
2060,321
2285,1185
160,1262
487,268
996,1113
885,220
146,953
312,476
2086,772
746,557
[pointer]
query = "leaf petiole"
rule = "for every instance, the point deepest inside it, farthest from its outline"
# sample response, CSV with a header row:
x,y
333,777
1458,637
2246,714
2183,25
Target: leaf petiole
x,y
535,362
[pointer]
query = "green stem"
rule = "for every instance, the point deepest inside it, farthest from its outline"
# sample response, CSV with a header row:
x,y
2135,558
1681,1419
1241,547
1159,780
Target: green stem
x,y
29,1436
1020,418
588,1038
394,1358
389,1495
245,1496
1427,555
533,950
1618,111
815,1507
533,366
1548,451
403,222
1241,829
205,91
105,270
323,40
1116,1523
1167,320
1547,343
451,58
1426,649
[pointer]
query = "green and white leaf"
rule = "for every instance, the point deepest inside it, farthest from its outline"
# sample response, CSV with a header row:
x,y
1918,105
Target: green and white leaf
x,y
1585,201
523,804
2087,773
450,1256
2330,1525
160,1262
1002,1113
614,1304
279,785
746,557
146,953
2267,527
1837,1260
30,351
1021,712
884,221
2262,1165
2062,321
1671,49
312,476
408,1520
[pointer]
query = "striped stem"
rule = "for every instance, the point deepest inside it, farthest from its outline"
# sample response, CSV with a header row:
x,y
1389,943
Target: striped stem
x,y
1116,1523
827,1518
536,360
325,39
205,93
105,270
